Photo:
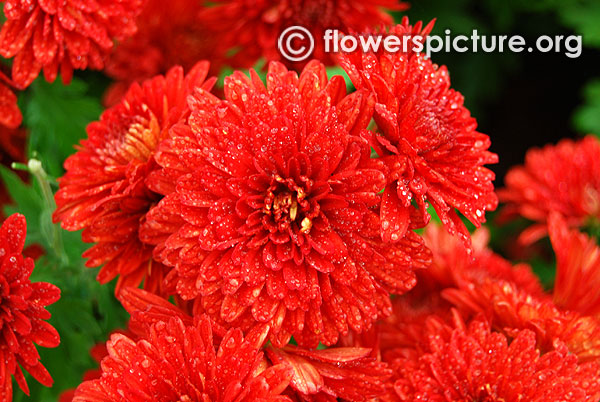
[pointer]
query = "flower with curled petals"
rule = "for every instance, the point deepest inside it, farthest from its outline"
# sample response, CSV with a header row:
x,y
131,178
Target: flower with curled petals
x,y
104,189
347,373
564,178
258,24
275,211
473,363
570,314
59,36
427,139
577,268
511,309
23,312
175,358
453,270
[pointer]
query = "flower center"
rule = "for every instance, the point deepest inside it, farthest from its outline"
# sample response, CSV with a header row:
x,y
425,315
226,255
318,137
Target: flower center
x,y
287,206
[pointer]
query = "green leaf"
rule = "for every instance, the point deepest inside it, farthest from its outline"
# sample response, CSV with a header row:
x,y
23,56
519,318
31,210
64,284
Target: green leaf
x,y
57,116
587,116
583,17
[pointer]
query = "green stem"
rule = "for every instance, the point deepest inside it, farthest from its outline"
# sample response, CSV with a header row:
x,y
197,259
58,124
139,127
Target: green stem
x,y
35,168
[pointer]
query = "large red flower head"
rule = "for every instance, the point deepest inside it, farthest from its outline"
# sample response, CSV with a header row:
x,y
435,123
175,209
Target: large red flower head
x,y
104,188
22,312
258,24
577,268
275,212
168,34
59,36
177,358
426,137
564,178
473,363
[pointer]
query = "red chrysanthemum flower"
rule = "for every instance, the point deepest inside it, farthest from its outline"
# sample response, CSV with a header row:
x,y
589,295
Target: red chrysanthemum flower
x,y
169,33
427,138
174,358
347,373
476,364
253,27
510,310
564,178
62,35
577,282
452,269
104,188
570,314
22,314
275,218
453,272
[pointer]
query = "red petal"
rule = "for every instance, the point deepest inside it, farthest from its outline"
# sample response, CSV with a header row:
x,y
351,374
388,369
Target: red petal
x,y
394,217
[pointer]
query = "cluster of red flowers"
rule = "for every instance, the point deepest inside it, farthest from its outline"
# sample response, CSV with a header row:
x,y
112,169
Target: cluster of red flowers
x,y
280,220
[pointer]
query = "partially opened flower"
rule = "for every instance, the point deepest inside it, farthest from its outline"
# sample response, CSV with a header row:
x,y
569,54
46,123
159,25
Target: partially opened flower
x,y
577,268
510,297
104,189
178,359
347,373
253,28
59,36
23,312
474,363
168,34
511,309
453,271
427,139
274,218
564,178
